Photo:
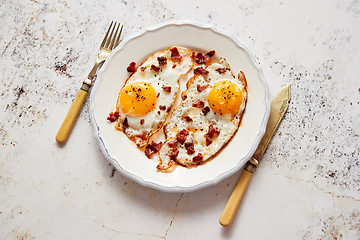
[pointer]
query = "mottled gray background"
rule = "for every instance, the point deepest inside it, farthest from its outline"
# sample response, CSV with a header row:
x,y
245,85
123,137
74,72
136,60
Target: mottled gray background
x,y
307,186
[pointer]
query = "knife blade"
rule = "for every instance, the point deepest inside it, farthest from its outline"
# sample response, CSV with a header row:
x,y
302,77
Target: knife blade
x,y
278,107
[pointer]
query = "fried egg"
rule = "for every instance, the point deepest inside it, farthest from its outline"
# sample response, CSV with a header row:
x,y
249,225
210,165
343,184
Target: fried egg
x,y
206,119
149,93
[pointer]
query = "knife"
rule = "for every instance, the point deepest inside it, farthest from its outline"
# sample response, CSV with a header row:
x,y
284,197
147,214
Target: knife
x,y
278,107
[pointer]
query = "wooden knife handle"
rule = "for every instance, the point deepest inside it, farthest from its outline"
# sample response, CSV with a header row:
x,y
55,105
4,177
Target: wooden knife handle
x,y
72,114
237,195
235,199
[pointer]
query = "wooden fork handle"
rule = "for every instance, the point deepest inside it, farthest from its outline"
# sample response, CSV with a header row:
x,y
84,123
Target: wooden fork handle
x,y
73,113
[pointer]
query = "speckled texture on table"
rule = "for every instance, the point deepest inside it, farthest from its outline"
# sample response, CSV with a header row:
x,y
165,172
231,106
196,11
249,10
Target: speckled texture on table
x,y
306,187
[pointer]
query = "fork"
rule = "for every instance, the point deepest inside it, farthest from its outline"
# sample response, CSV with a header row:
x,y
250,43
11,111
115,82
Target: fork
x,y
108,44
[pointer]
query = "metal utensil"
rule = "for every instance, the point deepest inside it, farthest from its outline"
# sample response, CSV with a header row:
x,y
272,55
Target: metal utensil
x,y
279,106
108,44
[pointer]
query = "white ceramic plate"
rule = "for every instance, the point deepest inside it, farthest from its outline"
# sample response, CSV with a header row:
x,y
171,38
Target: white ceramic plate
x,y
125,156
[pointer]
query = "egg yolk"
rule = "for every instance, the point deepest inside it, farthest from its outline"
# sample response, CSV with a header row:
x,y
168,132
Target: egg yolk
x,y
137,98
225,97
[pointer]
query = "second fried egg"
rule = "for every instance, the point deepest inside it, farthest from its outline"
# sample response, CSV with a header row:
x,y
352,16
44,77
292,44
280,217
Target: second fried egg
x,y
207,118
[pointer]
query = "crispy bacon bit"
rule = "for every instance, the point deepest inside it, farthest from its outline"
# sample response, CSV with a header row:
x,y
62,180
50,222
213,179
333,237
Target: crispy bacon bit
x,y
175,56
162,107
190,151
173,153
155,68
201,88
206,110
113,116
212,132
221,70
166,89
158,112
208,56
142,69
157,95
142,121
200,71
198,58
131,68
172,143
198,158
168,109
125,124
189,146
188,119
181,136
156,146
210,53
208,142
174,66
199,104
152,148
148,152
162,60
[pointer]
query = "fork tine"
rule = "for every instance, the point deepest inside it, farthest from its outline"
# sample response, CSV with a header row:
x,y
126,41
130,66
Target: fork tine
x,y
110,37
114,37
118,39
106,35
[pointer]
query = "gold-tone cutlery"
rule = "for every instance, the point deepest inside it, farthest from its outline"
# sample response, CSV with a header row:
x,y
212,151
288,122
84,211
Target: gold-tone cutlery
x,y
110,41
278,108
